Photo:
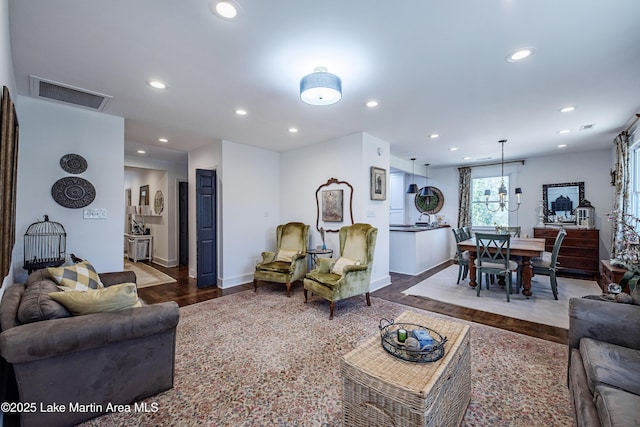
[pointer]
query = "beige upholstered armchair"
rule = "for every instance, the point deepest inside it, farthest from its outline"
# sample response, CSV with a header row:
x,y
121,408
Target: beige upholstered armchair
x,y
350,274
289,262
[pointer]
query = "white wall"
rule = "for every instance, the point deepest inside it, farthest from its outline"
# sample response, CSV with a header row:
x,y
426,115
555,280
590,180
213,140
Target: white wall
x,y
48,131
250,209
7,79
348,159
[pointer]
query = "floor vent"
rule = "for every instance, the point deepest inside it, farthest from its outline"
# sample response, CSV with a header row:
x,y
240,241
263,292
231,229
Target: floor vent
x,y
66,94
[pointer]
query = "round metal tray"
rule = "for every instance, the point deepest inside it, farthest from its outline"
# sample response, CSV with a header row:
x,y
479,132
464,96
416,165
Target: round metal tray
x,y
389,340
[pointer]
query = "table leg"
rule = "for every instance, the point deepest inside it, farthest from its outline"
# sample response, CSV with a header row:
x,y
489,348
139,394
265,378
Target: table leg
x,y
472,270
526,276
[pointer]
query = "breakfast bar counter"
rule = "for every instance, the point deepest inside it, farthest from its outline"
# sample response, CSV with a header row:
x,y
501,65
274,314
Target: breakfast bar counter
x,y
413,250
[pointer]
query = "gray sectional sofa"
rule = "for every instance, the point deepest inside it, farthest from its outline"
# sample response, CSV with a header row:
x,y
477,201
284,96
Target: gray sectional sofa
x,y
604,362
48,355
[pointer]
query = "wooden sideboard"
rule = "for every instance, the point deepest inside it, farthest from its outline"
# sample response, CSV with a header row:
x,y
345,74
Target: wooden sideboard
x,y
580,249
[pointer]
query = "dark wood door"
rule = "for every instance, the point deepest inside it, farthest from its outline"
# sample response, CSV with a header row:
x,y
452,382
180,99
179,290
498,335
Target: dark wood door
x,y
183,223
206,227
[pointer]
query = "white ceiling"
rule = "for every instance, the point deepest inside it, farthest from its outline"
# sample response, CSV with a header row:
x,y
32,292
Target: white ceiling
x,y
434,66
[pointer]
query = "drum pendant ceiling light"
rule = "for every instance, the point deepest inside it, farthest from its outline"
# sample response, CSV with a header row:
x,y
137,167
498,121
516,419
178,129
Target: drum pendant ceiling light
x,y
320,87
413,187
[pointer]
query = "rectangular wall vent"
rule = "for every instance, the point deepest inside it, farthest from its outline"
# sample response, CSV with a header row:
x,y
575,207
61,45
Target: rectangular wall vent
x,y
587,127
66,94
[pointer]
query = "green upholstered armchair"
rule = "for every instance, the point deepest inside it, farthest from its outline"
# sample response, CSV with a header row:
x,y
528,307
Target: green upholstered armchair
x,y
289,262
350,274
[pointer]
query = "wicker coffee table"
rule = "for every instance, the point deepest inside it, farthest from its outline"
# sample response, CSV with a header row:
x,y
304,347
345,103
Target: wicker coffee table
x,y
382,390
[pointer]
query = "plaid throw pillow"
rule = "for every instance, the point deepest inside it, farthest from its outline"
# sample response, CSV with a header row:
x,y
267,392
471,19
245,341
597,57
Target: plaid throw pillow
x,y
79,277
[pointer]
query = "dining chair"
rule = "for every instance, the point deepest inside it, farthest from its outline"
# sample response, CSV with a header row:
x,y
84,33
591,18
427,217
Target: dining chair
x,y
462,257
492,257
513,231
548,262
466,233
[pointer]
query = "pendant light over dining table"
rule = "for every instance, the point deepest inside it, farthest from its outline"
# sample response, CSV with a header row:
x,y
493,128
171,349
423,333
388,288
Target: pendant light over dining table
x,y
413,188
502,191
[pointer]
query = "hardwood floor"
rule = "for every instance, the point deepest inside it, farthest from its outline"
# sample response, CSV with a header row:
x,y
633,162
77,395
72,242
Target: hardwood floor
x,y
185,292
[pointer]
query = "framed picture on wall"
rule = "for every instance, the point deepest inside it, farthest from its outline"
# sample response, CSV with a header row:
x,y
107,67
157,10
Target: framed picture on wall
x,y
378,183
144,195
332,203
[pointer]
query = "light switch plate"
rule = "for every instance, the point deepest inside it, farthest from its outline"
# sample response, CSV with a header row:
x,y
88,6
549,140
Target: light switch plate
x,y
94,213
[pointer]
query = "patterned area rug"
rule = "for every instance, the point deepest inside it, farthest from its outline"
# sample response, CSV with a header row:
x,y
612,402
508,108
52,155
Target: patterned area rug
x,y
262,359
146,275
541,307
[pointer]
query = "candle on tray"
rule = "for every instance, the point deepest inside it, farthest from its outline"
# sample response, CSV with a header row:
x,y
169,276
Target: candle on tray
x,y
402,335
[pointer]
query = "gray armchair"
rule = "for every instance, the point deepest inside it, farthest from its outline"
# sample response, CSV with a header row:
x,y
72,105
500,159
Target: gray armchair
x,y
350,274
289,262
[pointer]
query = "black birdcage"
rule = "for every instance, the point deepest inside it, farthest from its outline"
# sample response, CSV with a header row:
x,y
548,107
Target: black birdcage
x,y
45,244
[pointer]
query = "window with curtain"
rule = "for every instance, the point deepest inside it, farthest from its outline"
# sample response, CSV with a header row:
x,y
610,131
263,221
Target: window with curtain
x,y
480,215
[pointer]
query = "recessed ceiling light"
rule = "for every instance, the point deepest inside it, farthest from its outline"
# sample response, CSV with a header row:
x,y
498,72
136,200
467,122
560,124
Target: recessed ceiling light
x,y
562,146
224,9
157,84
453,149
466,158
163,140
567,109
434,135
372,104
293,130
521,54
564,131
141,152
241,112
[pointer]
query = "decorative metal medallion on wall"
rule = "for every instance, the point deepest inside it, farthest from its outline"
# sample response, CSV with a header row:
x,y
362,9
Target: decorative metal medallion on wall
x,y
73,163
424,205
73,192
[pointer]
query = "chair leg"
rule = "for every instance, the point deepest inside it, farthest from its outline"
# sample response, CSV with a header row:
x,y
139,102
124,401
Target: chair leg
x,y
460,267
332,304
466,272
554,283
305,296
508,280
368,299
288,284
479,274
255,285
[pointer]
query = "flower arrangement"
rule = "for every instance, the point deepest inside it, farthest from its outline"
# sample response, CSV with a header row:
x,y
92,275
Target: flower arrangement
x,y
627,254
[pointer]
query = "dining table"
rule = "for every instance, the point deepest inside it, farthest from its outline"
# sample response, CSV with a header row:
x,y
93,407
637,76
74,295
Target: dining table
x,y
524,247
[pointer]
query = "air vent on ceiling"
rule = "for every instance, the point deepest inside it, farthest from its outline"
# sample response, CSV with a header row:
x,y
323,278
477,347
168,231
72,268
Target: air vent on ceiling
x,y
587,127
66,94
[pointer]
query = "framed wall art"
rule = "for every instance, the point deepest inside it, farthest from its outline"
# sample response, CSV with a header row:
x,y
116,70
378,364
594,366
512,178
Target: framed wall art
x,y
144,195
333,198
378,183
561,200
8,180
332,205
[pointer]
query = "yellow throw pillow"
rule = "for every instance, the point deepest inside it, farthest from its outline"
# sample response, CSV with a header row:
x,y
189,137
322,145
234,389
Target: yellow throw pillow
x,y
79,277
285,255
341,263
111,298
